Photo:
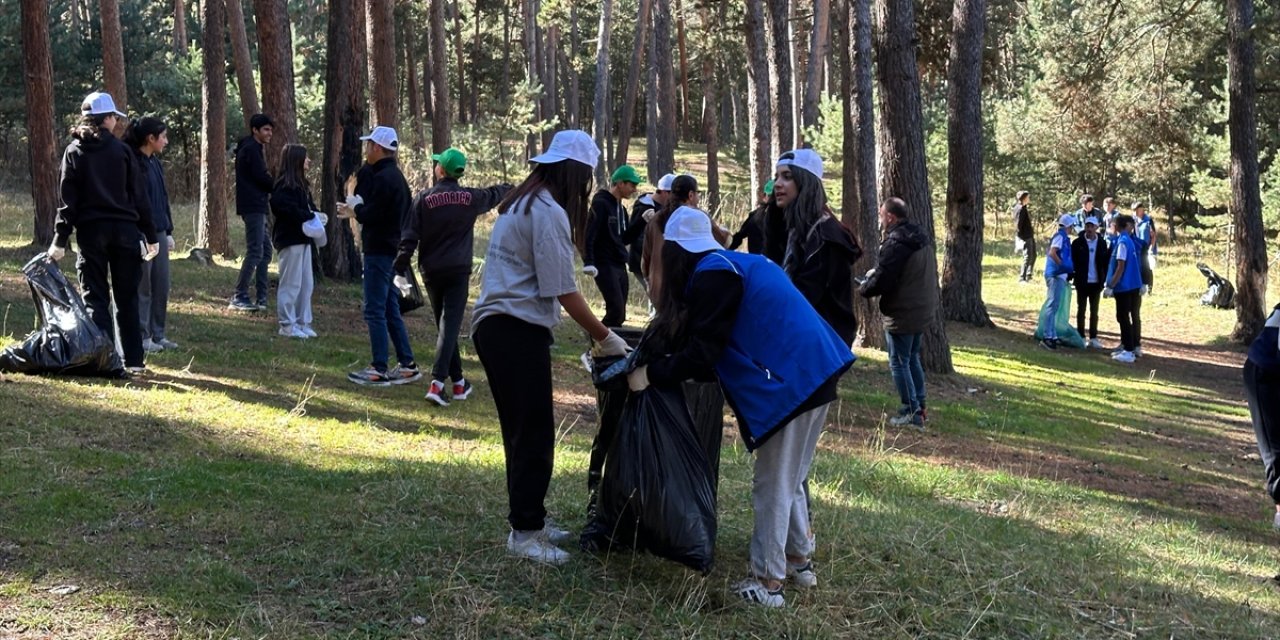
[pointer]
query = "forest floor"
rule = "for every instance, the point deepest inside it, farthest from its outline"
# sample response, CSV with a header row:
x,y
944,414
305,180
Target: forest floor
x,y
246,489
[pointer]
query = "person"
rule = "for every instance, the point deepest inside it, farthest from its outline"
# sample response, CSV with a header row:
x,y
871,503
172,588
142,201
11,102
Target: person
x,y
1057,268
642,212
147,137
684,192
905,279
1026,236
1124,283
605,256
381,203
291,206
103,199
1144,231
817,251
1086,209
1262,389
1090,256
1108,211
529,275
752,230
441,228
253,190
722,310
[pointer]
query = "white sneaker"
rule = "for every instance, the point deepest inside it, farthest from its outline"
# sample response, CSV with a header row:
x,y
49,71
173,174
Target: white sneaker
x,y
555,534
1095,344
752,591
150,346
167,343
802,576
308,331
1137,352
292,331
1124,356
536,547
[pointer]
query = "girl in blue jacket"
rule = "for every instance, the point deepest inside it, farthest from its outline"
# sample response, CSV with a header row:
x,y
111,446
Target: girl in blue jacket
x,y
779,364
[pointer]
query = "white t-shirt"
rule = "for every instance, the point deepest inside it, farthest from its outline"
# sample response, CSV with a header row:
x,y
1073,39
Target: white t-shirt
x,y
1093,263
529,264
1059,242
1121,251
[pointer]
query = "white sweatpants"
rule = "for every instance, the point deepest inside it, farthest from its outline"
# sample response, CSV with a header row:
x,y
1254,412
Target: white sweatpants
x,y
293,296
777,495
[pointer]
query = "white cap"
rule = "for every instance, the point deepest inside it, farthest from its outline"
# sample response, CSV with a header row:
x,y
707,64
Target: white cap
x,y
385,137
1091,220
806,159
691,229
1067,220
98,103
664,184
570,144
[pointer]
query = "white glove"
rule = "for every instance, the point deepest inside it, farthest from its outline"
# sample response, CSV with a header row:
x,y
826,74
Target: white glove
x,y
638,380
173,244
612,345
1108,292
591,271
1151,260
321,216
150,251
1146,289
56,253
648,215
402,283
347,209
354,201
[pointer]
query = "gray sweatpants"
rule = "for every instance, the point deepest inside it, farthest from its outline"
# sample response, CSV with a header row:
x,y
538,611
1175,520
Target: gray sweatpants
x,y
778,496
293,295
153,294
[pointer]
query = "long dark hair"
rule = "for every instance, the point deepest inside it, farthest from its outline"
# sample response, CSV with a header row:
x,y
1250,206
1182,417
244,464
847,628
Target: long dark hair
x,y
569,184
89,127
673,310
140,130
293,168
805,211
682,189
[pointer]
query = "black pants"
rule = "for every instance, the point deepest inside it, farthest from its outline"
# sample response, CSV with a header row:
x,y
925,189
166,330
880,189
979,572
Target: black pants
x,y
1028,259
113,249
517,359
448,296
1088,294
1263,393
614,285
1128,314
1148,276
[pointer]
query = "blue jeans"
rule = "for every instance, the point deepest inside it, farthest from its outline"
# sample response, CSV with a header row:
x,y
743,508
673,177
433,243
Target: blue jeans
x,y
257,257
382,312
904,364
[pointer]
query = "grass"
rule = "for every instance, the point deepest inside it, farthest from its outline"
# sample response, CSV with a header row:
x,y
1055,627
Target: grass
x,y
247,490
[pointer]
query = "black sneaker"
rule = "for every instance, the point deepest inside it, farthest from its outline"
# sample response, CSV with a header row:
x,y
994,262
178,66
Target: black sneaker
x,y
919,419
370,377
242,304
404,374
1051,345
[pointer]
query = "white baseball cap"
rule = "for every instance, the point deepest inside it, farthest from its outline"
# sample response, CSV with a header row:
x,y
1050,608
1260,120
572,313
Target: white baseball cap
x,y
1067,220
691,229
806,159
664,184
570,144
384,137
1093,220
98,103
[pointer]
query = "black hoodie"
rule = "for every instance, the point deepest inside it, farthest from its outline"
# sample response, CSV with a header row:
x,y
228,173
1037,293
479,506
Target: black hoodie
x,y
290,208
906,279
605,230
102,180
386,205
253,181
825,275
441,227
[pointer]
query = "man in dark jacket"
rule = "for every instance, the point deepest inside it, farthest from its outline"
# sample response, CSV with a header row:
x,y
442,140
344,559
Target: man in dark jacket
x,y
441,227
1090,256
752,230
1026,243
605,257
642,211
906,279
380,204
253,189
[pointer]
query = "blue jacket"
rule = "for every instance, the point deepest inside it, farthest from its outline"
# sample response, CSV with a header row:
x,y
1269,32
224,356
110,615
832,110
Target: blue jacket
x,y
1053,269
1132,277
780,350
1264,353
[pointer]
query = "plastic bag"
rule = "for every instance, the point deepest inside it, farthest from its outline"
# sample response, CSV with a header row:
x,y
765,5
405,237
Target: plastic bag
x,y
413,300
656,493
608,373
67,341
1067,333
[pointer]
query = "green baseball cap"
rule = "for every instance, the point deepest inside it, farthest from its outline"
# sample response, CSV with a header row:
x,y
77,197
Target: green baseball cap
x,y
452,161
768,188
625,173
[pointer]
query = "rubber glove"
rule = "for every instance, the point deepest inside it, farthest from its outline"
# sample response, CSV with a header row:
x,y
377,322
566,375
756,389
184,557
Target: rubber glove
x,y
1108,292
1146,289
612,345
173,244
55,252
591,271
638,380
402,283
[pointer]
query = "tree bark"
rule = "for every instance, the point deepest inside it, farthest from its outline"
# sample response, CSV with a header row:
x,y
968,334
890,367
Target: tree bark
x,y
575,88
961,297
506,53
441,131
37,71
460,62
275,59
179,25
684,68
380,38
343,125
626,117
1246,199
759,108
244,63
113,59
600,122
533,71
212,233
551,62
820,42
710,112
901,143
428,92
780,78
411,81
662,153
859,206
475,56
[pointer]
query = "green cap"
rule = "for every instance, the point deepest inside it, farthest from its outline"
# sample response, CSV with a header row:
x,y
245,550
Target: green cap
x,y
625,173
452,161
768,188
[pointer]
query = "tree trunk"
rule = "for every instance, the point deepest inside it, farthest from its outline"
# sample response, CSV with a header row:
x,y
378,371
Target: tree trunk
x,y
859,206
962,260
244,63
275,60
475,56
460,62
780,72
552,70
662,153
1246,200
626,118
441,133
759,108
37,71
212,231
684,69
710,113
600,121
343,125
380,39
506,53
411,81
901,142
428,92
113,59
819,44
179,25
575,88
533,63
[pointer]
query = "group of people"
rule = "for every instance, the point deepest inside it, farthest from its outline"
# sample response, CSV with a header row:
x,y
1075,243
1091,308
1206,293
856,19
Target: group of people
x,y
1119,264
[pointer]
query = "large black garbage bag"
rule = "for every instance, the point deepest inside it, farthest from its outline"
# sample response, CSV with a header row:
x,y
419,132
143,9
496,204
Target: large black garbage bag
x,y
656,492
67,341
608,373
413,300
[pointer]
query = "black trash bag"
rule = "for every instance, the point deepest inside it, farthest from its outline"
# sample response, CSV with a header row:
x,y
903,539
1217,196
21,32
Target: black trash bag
x,y
706,406
67,342
608,375
414,300
1221,293
656,492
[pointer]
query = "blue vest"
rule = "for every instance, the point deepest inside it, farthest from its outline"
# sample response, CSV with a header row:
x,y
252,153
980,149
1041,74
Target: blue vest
x,y
780,350
1053,270
1264,352
1144,228
1132,277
